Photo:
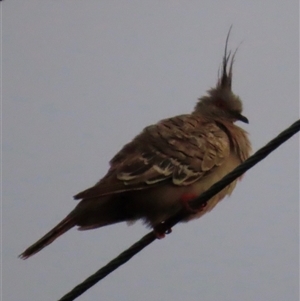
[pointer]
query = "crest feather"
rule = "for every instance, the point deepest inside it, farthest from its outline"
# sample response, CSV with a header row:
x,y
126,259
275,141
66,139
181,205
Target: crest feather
x,y
225,79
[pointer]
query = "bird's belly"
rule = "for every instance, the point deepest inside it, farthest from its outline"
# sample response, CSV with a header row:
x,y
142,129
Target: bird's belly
x,y
156,204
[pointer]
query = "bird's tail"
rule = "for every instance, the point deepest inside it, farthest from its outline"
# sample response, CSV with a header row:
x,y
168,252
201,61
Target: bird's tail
x,y
65,225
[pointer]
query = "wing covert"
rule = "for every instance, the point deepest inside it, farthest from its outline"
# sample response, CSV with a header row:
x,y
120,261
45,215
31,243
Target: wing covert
x,y
181,149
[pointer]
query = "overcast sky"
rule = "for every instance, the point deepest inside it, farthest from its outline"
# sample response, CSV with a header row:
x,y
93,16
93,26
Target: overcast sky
x,y
82,78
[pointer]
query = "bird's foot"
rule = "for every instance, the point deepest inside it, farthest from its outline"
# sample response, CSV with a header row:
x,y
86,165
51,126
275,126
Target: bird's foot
x,y
160,231
185,199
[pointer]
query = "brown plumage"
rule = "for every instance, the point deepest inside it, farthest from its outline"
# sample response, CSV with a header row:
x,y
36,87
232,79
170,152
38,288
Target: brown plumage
x,y
151,177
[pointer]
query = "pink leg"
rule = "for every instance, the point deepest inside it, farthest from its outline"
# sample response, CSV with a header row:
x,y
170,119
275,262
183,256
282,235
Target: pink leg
x,y
160,231
185,199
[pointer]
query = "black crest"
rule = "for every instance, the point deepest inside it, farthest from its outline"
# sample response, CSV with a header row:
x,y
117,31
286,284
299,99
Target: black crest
x,y
225,79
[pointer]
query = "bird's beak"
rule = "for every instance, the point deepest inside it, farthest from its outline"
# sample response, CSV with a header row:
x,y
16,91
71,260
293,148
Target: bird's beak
x,y
241,117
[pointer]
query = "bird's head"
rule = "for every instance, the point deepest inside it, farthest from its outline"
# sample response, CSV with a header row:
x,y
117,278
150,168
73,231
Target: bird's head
x,y
221,102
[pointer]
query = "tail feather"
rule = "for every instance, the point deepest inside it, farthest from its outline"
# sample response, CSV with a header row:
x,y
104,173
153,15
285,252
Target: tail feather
x,y
65,225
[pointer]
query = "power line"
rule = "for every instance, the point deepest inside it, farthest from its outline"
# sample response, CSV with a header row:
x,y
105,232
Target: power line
x,y
195,204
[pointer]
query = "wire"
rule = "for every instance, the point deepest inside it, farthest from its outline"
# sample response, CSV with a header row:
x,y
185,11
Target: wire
x,y
194,204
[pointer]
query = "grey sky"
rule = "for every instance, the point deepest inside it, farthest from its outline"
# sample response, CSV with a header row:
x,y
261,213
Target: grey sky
x,y
81,78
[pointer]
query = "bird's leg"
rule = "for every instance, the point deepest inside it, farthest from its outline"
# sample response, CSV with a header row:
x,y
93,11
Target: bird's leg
x,y
160,230
185,199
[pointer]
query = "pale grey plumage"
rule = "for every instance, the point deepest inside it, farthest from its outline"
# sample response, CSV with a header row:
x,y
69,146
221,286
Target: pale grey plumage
x,y
179,156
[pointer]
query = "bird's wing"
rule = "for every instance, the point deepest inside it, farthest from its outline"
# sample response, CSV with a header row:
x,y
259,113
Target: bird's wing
x,y
181,149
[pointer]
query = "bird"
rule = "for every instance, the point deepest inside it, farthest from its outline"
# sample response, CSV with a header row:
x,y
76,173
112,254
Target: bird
x,y
154,176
